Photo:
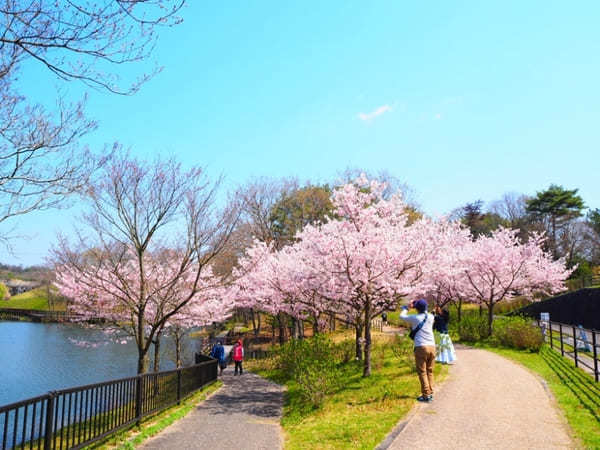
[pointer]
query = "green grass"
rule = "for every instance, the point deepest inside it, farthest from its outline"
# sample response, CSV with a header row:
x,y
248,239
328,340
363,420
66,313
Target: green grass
x,y
36,299
361,412
577,395
153,425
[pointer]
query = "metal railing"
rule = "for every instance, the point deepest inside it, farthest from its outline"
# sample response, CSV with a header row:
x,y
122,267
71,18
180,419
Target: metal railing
x,y
74,417
36,315
580,344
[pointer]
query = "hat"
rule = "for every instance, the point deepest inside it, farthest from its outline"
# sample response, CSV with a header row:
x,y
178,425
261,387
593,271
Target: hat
x,y
421,305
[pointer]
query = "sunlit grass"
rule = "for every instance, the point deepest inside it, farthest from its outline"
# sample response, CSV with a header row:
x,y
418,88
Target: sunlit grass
x,y
36,299
361,412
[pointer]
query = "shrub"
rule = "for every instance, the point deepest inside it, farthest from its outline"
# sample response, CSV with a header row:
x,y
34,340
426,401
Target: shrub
x,y
473,327
403,348
311,363
345,351
511,305
4,292
517,332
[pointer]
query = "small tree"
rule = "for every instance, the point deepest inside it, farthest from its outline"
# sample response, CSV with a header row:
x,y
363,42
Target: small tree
x,y
129,276
500,267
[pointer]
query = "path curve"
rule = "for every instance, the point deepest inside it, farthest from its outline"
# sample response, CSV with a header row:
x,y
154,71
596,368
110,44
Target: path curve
x,y
487,402
243,414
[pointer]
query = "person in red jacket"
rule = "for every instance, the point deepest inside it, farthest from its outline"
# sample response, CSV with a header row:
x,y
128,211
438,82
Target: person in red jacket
x,y
238,356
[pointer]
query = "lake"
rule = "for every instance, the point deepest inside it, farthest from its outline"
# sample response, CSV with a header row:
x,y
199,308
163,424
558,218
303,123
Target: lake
x,y
39,357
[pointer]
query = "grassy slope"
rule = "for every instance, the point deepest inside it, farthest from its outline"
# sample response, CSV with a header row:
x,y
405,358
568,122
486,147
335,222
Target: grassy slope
x,y
153,425
361,413
35,299
577,394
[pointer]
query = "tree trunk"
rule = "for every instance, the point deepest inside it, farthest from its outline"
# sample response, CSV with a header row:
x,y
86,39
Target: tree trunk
x,y
259,324
178,337
332,322
359,332
156,341
367,365
301,329
490,318
295,328
143,362
281,328
480,310
254,329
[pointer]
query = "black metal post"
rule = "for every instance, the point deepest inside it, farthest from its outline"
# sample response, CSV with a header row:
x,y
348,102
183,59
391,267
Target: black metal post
x,y
49,420
575,345
138,399
595,356
562,350
179,386
551,343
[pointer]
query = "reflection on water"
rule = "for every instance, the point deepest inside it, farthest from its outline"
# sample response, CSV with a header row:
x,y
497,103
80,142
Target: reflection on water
x,y
39,357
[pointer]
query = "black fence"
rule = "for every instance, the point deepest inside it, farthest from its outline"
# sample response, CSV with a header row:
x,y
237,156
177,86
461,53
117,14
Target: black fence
x,y
36,315
72,418
579,344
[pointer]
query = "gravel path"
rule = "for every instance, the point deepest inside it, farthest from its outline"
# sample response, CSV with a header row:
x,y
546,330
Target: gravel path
x,y
487,402
243,414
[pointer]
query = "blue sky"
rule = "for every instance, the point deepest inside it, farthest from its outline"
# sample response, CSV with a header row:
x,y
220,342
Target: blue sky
x,y
461,100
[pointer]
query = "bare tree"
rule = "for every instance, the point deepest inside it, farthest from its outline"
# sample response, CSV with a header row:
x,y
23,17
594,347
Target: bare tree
x,y
155,231
41,160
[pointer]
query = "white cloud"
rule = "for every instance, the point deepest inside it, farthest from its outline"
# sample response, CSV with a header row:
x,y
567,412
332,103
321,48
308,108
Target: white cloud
x,y
366,117
437,116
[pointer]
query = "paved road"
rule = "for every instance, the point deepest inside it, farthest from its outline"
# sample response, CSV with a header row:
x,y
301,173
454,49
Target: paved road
x,y
487,402
243,414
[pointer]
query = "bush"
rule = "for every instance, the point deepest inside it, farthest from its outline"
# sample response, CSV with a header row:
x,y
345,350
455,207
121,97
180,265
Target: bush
x,y
4,292
311,363
345,351
518,333
472,327
403,348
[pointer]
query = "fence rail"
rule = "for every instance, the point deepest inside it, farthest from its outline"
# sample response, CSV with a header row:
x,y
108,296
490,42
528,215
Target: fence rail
x,y
580,344
36,315
75,417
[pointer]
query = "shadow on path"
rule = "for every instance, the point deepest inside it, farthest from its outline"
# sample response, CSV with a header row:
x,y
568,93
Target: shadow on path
x,y
243,414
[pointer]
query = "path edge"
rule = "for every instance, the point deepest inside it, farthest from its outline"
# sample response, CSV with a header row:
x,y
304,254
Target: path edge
x,y
405,421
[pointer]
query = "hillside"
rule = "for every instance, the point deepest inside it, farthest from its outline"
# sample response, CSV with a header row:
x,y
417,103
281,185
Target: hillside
x,y
34,299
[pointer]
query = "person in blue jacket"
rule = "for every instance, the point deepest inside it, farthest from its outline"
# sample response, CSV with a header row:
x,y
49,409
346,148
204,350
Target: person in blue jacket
x,y
218,352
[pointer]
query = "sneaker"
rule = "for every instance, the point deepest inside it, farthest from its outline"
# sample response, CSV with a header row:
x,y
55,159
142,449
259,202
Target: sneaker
x,y
425,398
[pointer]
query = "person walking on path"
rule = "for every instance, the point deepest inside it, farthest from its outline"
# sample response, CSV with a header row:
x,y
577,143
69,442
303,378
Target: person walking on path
x,y
422,333
445,353
238,356
218,352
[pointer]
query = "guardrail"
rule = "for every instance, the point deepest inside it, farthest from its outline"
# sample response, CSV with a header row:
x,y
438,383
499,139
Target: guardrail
x,y
578,343
75,417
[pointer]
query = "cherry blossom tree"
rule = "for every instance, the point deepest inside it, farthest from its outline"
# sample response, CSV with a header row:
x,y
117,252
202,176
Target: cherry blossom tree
x,y
123,271
500,267
356,265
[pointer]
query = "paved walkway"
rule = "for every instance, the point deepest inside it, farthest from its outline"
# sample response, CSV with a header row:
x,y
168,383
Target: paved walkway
x,y
243,414
487,402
